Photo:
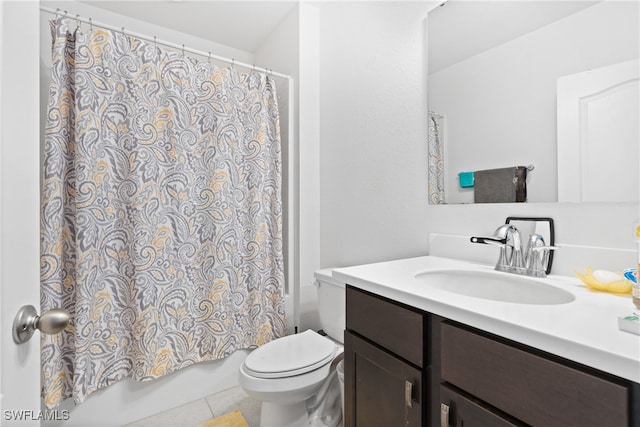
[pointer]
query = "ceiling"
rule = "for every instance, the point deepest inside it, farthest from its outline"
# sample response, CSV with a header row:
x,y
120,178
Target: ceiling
x,y
239,24
460,29
457,30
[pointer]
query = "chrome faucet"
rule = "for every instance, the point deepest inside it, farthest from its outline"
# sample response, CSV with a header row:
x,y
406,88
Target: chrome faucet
x,y
511,259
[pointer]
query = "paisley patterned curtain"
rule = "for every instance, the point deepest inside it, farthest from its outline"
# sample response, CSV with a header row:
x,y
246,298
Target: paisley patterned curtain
x,y
161,214
436,159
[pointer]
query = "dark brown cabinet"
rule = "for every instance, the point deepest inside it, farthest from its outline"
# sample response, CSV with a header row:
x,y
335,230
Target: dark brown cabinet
x,y
384,356
405,367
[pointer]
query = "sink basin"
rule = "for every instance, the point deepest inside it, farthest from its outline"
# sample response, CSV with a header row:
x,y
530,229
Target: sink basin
x,y
496,286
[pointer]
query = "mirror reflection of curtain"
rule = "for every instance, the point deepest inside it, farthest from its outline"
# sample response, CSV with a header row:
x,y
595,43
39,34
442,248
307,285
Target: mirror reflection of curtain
x,y
161,216
436,159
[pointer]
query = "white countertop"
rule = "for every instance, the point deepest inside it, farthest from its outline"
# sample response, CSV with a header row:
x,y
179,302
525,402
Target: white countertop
x,y
585,330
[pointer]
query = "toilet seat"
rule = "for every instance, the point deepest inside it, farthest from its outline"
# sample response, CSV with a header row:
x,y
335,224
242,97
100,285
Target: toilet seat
x,y
290,356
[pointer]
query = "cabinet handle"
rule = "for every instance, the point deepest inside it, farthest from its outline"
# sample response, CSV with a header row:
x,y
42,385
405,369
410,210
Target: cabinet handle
x,y
408,393
444,415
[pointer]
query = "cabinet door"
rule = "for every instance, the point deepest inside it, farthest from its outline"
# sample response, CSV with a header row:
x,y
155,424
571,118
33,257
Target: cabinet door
x,y
380,389
457,410
530,386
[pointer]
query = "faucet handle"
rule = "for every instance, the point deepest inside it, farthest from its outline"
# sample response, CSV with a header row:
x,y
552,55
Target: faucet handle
x,y
535,241
488,240
537,256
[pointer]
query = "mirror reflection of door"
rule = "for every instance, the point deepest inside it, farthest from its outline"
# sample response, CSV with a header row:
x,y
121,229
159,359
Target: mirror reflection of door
x,y
599,134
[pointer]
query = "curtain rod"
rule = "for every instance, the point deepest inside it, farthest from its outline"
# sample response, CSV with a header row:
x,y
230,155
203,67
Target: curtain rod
x,y
154,40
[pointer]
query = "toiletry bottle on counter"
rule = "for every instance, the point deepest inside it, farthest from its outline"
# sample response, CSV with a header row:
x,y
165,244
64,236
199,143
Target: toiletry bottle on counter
x,y
636,284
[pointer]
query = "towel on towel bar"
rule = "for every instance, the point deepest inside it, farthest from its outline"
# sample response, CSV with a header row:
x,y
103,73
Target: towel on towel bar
x,y
505,185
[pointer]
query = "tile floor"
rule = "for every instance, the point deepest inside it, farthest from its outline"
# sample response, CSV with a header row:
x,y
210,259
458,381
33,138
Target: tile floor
x,y
195,413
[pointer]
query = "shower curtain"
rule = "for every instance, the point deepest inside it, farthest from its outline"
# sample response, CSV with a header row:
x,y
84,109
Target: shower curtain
x,y
161,213
436,159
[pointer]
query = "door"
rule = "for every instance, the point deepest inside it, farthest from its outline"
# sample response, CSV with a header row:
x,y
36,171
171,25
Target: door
x,y
380,389
19,206
598,132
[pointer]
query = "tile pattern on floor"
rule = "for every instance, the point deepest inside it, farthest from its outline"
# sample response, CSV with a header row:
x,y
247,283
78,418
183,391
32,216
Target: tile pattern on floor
x,y
195,413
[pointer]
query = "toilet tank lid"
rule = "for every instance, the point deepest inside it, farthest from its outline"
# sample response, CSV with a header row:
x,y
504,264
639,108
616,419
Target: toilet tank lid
x,y
325,275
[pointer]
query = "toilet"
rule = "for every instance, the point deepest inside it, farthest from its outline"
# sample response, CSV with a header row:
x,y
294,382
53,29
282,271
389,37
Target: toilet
x,y
295,376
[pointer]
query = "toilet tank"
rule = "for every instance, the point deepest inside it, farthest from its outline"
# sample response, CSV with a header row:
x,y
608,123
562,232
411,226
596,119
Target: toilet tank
x,y
331,304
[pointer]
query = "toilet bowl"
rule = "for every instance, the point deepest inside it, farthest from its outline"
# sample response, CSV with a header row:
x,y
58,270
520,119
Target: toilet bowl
x,y
294,376
287,373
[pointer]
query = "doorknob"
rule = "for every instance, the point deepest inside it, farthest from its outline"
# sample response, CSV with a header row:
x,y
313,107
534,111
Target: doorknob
x,y
27,321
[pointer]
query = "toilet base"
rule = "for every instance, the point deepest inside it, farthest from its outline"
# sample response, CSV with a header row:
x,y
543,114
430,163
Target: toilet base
x,y
284,414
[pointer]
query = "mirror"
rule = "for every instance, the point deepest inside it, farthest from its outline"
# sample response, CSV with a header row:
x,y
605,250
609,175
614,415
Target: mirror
x,y
493,72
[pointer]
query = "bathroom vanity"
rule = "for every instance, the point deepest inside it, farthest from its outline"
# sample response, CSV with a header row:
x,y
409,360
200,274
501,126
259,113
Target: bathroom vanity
x,y
417,355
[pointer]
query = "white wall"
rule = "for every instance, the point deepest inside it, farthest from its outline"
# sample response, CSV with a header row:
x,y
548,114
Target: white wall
x,y
309,164
500,105
373,155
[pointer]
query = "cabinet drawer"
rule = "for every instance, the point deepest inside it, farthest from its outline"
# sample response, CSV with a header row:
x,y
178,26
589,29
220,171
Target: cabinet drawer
x,y
394,327
533,389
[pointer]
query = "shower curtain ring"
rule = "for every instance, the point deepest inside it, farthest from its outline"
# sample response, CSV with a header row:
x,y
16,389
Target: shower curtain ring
x,y
90,25
233,62
77,22
183,50
209,58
